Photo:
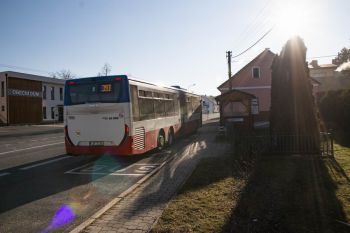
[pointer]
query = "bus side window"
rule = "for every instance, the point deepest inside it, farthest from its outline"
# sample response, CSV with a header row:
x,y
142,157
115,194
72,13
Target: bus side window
x,y
146,108
195,104
146,105
159,105
189,106
176,104
135,103
169,107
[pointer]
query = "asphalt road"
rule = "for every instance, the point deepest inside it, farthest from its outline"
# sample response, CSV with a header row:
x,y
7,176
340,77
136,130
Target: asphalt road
x,y
42,188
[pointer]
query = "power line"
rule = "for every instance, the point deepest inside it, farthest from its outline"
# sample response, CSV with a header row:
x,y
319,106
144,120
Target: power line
x,y
255,23
251,28
266,33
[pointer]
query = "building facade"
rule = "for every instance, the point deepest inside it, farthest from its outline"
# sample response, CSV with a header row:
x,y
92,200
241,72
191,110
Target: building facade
x,y
322,70
329,78
209,105
30,99
253,79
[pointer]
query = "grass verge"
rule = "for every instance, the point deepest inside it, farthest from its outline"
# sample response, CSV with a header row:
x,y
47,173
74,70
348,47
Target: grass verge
x,y
339,170
298,193
205,202
274,194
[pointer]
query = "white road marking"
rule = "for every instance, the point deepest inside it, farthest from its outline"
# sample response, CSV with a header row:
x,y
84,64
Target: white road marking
x,y
5,174
29,148
43,163
95,170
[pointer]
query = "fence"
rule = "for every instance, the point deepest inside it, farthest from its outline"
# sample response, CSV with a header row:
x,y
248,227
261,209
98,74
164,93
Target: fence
x,y
263,142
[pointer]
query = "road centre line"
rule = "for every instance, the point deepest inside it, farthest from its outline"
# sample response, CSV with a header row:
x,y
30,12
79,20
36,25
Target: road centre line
x,y
5,174
29,148
43,163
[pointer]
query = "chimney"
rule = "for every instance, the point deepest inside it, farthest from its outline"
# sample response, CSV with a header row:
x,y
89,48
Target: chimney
x,y
314,63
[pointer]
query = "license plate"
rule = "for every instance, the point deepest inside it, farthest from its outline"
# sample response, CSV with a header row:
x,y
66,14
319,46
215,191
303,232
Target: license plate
x,y
96,143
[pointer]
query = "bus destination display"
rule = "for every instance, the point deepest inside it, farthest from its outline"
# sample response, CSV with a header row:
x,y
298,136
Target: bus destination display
x,y
105,88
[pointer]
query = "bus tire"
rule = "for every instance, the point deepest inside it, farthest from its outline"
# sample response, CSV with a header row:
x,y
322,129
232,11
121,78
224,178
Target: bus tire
x,y
171,137
161,140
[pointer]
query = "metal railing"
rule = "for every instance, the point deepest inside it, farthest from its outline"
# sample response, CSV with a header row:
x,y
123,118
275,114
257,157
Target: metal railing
x,y
262,142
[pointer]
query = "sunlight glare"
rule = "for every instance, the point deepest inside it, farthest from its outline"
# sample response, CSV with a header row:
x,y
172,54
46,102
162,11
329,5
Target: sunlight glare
x,y
293,17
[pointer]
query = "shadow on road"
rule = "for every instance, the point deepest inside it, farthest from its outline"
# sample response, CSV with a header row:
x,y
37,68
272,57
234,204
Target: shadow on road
x,y
26,186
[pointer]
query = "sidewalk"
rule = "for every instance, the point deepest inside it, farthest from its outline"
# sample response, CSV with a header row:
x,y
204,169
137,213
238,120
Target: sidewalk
x,y
27,130
210,116
139,211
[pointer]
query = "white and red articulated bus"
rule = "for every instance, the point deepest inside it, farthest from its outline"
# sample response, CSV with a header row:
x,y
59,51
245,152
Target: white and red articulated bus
x,y
118,115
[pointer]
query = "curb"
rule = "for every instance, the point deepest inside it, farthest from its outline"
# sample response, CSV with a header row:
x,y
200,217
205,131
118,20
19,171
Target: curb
x,y
12,135
120,197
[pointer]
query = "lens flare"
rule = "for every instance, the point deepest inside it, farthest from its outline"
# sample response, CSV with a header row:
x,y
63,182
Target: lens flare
x,y
63,216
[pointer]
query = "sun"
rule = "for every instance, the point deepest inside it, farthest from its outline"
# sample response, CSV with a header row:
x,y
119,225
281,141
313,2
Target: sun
x,y
292,17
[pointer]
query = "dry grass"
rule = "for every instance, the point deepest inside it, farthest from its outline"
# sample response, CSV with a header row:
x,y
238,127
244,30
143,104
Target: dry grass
x,y
205,202
282,194
339,170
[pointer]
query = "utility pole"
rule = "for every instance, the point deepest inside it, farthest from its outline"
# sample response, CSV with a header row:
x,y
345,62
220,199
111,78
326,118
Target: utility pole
x,y
229,56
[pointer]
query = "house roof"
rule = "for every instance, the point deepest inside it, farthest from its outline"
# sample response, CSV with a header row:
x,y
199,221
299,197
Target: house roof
x,y
235,93
266,51
34,77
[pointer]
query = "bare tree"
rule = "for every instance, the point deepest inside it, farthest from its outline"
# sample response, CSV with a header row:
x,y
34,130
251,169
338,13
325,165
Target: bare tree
x,y
63,74
106,70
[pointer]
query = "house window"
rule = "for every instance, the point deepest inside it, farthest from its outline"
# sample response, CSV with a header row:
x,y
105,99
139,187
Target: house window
x,y
52,93
256,72
52,113
2,89
3,108
44,92
44,113
61,93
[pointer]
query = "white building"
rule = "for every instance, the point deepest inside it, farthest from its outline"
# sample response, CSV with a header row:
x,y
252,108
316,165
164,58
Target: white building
x,y
209,105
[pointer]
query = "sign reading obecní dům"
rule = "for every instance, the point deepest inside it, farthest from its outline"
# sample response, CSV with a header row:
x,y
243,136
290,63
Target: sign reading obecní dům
x,y
15,92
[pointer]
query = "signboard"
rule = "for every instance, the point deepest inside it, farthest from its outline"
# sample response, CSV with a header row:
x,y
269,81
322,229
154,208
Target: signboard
x,y
255,106
16,92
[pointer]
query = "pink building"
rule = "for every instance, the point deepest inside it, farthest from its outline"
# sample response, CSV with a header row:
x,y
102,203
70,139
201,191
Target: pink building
x,y
253,79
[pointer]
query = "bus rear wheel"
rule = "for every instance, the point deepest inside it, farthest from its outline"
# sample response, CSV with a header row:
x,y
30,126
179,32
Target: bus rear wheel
x,y
161,140
170,137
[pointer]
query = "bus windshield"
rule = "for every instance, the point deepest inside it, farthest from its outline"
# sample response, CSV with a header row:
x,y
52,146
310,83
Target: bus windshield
x,y
100,92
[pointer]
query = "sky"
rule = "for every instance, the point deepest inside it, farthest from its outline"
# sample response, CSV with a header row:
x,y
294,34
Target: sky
x,y
182,42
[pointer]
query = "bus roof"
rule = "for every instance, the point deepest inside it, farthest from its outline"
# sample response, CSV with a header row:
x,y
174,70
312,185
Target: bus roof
x,y
109,77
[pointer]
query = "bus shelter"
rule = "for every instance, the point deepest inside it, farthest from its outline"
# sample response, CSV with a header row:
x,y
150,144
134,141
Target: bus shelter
x,y
236,109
